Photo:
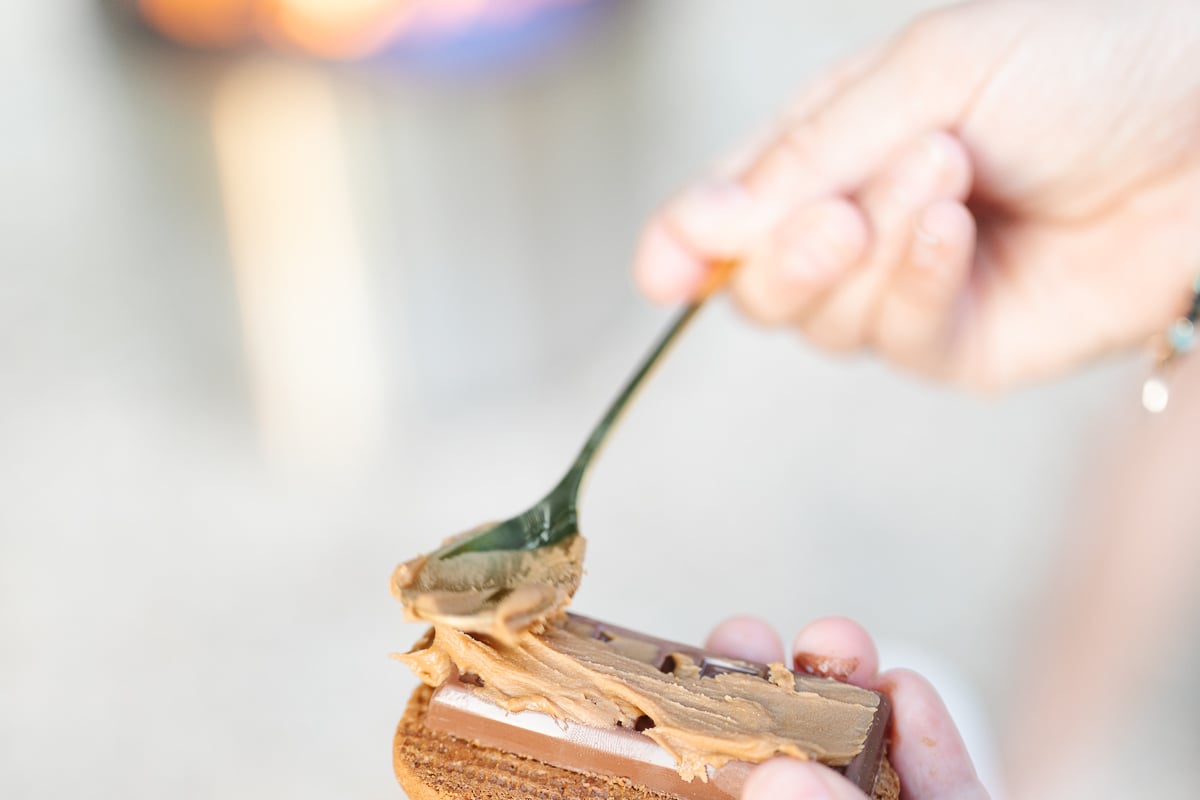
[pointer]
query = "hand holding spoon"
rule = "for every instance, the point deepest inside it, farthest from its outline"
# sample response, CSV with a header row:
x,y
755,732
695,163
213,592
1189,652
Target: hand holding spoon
x,y
505,577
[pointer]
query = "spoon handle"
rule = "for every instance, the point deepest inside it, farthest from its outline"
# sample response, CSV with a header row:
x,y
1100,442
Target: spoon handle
x,y
554,518
571,482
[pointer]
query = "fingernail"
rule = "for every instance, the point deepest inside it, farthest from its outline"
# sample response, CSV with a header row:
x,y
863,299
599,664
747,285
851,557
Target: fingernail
x,y
710,204
931,230
924,234
934,145
917,174
825,666
835,647
666,271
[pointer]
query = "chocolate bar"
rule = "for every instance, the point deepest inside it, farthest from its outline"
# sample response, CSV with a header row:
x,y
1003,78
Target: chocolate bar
x,y
625,752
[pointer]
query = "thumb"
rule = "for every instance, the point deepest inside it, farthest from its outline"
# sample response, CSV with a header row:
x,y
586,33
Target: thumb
x,y
791,779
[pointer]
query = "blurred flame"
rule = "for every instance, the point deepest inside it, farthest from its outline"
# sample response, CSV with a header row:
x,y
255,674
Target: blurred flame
x,y
336,28
201,23
326,28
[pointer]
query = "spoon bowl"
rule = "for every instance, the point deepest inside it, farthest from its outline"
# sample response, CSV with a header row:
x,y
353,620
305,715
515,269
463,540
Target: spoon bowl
x,y
504,577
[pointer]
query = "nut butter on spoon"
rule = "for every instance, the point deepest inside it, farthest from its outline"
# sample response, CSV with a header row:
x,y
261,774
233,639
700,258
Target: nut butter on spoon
x,y
504,578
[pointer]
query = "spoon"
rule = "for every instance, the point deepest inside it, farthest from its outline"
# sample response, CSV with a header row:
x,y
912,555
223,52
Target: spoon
x,y
506,576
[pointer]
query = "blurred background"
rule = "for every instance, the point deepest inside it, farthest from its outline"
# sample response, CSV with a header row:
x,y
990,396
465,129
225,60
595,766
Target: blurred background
x,y
291,290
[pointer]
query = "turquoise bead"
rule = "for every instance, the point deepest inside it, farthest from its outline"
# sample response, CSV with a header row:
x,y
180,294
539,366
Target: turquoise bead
x,y
1182,335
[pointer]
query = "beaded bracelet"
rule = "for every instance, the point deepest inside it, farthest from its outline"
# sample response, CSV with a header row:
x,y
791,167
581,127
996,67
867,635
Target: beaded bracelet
x,y
1181,339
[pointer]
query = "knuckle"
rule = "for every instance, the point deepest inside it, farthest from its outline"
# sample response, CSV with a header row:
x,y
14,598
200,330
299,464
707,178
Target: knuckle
x,y
758,305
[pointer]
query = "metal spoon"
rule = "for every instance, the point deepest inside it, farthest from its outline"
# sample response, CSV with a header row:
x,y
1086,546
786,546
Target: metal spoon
x,y
488,580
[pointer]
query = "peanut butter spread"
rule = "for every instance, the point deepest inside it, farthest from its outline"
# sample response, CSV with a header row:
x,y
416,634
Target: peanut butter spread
x,y
499,592
499,617
702,721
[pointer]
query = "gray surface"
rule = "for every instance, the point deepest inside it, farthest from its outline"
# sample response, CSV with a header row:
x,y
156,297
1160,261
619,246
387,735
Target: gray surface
x,y
187,613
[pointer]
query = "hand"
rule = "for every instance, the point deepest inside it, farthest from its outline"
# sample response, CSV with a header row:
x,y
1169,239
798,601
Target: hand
x,y
1002,191
925,750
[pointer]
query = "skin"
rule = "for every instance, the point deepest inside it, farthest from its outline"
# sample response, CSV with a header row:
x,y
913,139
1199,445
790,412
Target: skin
x,y
1001,192
1120,612
926,749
